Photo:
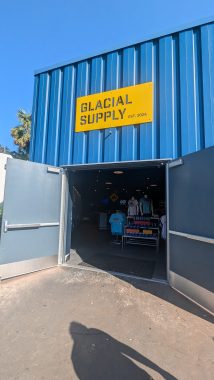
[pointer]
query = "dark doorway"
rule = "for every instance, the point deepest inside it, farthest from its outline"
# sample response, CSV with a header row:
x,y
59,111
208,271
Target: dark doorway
x,y
96,195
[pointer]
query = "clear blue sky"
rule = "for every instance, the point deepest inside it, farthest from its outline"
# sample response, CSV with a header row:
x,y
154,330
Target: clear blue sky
x,y
38,33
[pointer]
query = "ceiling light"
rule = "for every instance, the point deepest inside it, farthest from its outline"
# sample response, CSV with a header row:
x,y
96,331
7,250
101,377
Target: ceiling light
x,y
138,190
154,185
147,178
108,183
118,172
107,188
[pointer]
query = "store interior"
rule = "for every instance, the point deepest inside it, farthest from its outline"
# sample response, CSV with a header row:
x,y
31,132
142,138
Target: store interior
x,y
118,221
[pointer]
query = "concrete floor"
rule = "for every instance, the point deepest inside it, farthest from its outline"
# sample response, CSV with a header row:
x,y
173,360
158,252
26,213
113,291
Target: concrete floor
x,y
64,324
97,242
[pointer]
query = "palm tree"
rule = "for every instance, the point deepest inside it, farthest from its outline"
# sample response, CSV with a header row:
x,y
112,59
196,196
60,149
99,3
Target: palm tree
x,y
21,133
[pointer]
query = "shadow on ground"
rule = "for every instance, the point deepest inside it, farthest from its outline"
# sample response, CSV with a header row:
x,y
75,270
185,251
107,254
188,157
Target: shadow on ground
x,y
94,242
97,355
169,295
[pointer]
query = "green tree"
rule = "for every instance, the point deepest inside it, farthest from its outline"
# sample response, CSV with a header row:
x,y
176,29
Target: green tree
x,y
4,149
21,133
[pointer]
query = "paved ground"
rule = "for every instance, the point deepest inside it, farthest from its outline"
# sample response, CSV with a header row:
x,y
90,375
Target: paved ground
x,y
71,324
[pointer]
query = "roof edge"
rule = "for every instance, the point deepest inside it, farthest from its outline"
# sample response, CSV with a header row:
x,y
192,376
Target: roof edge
x,y
181,28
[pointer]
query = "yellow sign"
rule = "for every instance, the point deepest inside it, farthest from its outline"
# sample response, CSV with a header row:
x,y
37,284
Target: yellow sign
x,y
116,108
114,197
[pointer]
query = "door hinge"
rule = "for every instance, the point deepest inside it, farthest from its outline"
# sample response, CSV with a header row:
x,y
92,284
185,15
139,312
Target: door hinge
x,y
52,169
176,163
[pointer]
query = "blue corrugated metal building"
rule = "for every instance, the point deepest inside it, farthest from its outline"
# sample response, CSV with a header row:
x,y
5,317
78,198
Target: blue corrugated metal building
x,y
167,162
179,64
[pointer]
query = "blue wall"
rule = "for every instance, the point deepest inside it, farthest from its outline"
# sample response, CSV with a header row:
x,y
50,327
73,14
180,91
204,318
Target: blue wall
x,y
180,65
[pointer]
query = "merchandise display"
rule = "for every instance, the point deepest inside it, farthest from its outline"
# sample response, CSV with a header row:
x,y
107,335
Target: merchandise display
x,y
141,231
117,222
145,205
140,227
133,207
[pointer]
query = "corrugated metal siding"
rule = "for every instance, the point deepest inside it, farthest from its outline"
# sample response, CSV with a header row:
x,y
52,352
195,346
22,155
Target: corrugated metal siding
x,y
182,70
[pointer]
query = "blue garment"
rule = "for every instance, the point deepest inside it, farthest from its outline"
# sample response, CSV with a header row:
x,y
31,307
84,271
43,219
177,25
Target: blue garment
x,y
145,205
117,222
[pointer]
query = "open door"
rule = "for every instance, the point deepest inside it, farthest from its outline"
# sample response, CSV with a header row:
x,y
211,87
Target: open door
x,y
191,227
31,233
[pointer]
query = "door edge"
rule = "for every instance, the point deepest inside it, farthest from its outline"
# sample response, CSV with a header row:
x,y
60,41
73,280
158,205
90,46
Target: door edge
x,y
193,292
167,225
20,268
63,217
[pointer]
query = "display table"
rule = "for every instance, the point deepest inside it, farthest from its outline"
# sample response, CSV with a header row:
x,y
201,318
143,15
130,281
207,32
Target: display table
x,y
142,231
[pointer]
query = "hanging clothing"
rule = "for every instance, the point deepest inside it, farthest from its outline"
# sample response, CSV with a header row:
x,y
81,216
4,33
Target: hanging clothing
x,y
163,225
133,207
146,206
117,222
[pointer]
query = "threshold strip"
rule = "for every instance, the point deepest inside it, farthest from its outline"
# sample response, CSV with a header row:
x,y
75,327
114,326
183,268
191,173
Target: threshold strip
x,y
119,274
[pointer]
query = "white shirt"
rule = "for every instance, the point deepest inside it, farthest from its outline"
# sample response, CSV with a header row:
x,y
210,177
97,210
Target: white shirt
x,y
133,207
163,231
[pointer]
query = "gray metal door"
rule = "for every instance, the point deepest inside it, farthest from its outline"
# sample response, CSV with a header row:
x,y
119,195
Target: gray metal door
x,y
191,226
31,218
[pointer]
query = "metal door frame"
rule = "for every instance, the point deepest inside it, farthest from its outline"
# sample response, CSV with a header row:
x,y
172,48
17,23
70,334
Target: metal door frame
x,y
114,165
168,165
117,164
167,223
63,217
